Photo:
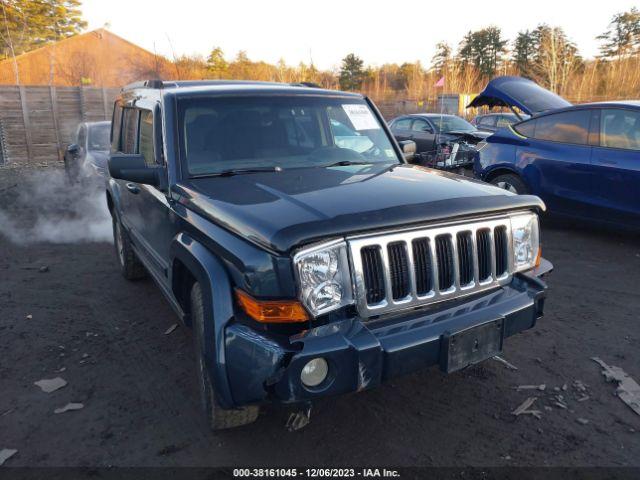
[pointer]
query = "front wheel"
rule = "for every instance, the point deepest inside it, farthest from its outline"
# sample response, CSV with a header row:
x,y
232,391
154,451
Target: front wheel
x,y
217,417
510,182
71,169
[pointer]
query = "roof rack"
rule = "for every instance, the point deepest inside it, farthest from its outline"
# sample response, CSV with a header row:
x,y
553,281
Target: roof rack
x,y
160,84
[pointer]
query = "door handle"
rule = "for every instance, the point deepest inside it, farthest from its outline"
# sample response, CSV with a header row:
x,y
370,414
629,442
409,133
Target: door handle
x,y
133,188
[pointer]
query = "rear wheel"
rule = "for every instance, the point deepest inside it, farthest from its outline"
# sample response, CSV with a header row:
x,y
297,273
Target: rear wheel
x,y
510,182
217,417
130,266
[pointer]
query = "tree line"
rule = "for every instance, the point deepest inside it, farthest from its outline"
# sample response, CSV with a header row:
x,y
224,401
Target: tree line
x,y
544,53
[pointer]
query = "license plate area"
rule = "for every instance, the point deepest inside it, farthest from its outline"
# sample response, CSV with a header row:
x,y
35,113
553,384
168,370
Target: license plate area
x,y
471,345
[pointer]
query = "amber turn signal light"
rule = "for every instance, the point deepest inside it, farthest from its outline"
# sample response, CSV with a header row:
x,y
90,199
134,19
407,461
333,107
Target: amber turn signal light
x,y
539,257
272,311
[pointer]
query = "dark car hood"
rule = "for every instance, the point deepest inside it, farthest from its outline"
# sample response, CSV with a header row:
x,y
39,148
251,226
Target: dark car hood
x,y
518,92
474,137
282,210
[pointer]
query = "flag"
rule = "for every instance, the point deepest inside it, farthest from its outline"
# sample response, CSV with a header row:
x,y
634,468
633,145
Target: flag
x,y
440,83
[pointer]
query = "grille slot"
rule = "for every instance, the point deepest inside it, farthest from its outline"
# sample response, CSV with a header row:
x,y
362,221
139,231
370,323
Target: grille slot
x,y
398,270
422,266
500,240
465,258
409,269
444,250
373,274
483,246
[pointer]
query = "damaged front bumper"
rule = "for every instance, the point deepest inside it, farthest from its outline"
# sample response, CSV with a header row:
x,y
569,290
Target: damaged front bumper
x,y
361,355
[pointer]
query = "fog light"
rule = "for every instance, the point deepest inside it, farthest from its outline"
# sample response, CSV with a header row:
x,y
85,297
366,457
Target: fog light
x,y
314,372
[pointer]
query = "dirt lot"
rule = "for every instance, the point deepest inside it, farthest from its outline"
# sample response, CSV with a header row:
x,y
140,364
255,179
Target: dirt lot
x,y
141,405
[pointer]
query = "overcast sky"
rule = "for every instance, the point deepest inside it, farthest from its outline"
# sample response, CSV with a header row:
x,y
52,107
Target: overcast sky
x,y
379,32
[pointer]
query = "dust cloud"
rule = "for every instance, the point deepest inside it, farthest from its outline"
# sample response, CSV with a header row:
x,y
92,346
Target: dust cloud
x,y
45,206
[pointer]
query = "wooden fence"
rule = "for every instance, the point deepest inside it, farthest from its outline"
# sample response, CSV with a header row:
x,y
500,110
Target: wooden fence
x,y
38,122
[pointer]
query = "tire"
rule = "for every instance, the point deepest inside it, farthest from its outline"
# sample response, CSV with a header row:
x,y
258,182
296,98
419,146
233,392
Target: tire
x,y
217,417
71,170
130,266
511,183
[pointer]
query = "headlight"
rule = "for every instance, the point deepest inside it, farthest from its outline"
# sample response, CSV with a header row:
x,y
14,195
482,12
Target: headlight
x,y
526,241
323,275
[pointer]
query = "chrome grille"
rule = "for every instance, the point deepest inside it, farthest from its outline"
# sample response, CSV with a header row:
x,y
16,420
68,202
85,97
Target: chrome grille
x,y
374,275
423,265
398,270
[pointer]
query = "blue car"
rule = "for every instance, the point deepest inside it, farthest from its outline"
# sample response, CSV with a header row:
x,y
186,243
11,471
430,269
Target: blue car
x,y
582,160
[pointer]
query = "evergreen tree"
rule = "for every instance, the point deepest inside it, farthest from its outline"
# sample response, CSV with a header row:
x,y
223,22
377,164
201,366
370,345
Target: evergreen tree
x,y
623,36
525,48
29,24
441,58
216,64
483,49
351,73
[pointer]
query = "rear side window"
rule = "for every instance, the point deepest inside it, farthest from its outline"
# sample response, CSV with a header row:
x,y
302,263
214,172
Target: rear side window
x,y
145,142
566,127
526,129
129,130
402,124
620,129
420,126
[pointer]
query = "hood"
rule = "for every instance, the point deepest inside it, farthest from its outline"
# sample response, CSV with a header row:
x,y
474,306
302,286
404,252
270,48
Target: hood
x,y
527,96
473,137
281,210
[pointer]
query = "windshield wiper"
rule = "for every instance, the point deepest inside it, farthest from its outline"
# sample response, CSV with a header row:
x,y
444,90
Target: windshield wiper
x,y
238,171
345,163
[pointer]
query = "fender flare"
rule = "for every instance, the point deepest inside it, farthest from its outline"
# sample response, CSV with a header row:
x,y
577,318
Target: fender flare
x,y
209,271
504,167
113,193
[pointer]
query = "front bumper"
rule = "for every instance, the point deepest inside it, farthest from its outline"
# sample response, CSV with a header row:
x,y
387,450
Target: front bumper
x,y
361,355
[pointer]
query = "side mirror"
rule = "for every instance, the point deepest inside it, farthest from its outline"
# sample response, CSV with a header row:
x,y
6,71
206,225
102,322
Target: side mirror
x,y
132,168
409,149
73,149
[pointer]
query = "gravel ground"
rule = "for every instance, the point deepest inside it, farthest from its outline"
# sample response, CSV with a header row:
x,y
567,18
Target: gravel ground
x,y
82,321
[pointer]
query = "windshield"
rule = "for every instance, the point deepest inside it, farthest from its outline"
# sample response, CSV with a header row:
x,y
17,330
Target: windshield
x,y
281,132
451,123
99,137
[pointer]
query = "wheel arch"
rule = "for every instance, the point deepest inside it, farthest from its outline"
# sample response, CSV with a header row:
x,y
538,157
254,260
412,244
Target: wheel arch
x,y
112,193
502,170
110,204
192,262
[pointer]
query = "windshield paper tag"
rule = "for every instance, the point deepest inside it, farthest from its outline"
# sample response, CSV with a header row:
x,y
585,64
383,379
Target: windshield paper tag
x,y
361,117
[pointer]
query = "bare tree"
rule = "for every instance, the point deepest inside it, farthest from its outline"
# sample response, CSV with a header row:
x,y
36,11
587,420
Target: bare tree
x,y
79,69
557,58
